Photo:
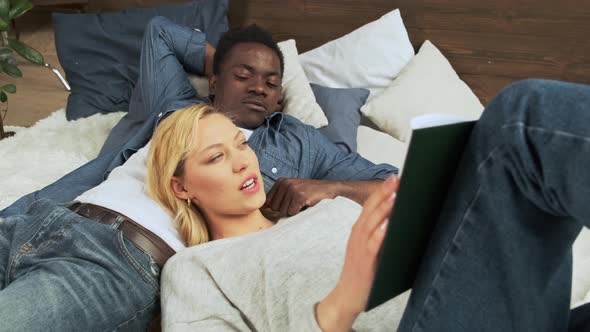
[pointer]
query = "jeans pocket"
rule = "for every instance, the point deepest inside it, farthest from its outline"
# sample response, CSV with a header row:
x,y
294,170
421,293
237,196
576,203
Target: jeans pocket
x,y
141,262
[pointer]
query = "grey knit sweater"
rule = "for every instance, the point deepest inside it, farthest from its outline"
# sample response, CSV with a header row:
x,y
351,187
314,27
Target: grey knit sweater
x,y
269,280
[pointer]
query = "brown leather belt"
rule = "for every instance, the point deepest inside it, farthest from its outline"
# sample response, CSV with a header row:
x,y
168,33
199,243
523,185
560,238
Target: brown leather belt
x,y
147,241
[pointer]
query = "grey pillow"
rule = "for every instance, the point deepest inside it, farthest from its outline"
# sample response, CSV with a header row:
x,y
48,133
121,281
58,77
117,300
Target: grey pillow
x,y
342,108
99,52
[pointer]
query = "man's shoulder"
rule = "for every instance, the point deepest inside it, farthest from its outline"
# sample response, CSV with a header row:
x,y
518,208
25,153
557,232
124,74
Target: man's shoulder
x,y
290,122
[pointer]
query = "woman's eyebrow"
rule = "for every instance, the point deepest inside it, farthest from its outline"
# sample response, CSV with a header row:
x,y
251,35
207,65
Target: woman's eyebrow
x,y
238,132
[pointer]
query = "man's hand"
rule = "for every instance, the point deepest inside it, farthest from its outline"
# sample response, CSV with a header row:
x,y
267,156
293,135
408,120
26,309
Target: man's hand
x,y
290,196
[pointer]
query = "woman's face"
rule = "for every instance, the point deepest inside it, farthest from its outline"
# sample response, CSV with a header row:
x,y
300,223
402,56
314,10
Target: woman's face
x,y
221,174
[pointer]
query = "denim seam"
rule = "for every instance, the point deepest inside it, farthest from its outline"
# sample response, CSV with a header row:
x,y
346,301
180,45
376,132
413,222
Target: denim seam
x,y
147,306
553,132
433,290
136,266
16,258
521,127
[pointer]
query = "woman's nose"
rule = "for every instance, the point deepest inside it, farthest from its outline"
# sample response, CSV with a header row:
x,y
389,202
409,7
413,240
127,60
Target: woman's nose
x,y
241,164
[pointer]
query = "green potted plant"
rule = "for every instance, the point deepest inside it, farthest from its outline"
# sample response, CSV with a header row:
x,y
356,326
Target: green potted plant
x,y
10,10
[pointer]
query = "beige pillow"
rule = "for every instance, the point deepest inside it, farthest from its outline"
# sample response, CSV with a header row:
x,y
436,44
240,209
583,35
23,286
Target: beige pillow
x,y
299,100
378,147
199,83
428,84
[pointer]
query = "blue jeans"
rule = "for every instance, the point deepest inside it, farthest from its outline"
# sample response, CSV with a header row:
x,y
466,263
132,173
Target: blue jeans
x,y
500,258
62,272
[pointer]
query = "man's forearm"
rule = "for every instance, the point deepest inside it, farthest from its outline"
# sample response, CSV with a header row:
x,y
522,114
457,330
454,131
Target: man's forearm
x,y
167,52
358,191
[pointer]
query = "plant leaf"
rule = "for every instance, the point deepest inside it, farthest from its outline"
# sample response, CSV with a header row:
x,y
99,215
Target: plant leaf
x,y
11,70
26,51
19,7
10,88
3,97
3,24
4,9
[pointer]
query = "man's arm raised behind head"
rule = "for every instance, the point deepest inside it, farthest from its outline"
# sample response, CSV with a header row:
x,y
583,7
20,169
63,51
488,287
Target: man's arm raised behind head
x,y
168,51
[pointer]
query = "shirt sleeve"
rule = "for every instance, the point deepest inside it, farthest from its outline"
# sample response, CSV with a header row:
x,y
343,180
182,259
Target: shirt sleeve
x,y
168,51
332,163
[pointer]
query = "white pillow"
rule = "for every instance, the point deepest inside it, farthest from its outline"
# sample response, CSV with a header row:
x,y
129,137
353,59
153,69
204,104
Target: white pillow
x,y
428,84
199,83
299,100
369,57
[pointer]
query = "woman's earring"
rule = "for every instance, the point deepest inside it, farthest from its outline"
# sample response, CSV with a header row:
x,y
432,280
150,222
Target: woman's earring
x,y
188,202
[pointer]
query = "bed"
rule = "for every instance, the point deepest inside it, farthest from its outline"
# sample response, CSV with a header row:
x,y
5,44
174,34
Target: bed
x,y
479,47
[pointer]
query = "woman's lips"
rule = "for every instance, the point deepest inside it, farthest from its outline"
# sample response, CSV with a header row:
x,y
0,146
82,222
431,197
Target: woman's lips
x,y
250,186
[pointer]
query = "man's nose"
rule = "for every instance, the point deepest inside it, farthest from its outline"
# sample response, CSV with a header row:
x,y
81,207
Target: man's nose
x,y
258,86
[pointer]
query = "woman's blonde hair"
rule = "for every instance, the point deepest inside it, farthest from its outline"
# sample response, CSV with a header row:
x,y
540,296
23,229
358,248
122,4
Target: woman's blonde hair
x,y
171,144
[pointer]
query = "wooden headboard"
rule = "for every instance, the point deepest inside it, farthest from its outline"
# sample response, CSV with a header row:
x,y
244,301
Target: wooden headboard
x,y
489,43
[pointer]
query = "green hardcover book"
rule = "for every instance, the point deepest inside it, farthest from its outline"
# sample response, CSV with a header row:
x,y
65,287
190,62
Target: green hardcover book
x,y
435,149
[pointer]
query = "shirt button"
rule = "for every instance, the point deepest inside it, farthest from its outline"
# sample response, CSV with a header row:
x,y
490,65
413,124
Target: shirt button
x,y
160,115
274,170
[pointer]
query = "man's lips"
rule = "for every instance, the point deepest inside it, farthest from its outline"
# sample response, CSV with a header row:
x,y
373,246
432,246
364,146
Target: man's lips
x,y
255,104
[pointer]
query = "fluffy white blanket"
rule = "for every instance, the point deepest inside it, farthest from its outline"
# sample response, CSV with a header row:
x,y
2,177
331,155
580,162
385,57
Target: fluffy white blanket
x,y
41,154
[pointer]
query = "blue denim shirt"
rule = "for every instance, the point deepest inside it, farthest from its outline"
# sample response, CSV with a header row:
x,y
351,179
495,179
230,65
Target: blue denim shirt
x,y
285,146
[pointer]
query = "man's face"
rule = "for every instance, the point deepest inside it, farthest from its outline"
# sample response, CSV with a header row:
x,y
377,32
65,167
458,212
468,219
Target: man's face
x,y
248,86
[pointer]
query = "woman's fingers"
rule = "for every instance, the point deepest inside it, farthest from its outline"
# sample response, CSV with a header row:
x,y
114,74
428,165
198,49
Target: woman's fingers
x,y
378,195
380,212
376,239
378,205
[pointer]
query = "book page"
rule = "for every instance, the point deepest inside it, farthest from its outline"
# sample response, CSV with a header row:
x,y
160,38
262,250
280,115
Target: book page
x,y
434,120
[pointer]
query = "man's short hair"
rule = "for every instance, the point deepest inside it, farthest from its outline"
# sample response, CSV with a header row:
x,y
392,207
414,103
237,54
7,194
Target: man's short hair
x,y
249,34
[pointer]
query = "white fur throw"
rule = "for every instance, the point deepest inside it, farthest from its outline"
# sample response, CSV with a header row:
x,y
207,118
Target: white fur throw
x,y
41,154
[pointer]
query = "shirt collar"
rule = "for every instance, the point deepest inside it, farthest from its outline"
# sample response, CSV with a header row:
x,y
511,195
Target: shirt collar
x,y
274,120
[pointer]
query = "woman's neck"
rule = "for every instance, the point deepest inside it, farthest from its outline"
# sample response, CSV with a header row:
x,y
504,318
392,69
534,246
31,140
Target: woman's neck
x,y
221,227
